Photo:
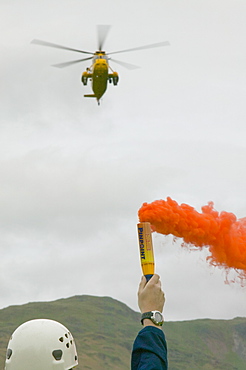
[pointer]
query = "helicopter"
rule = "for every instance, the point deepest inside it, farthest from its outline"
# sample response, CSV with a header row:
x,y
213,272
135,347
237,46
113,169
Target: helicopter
x,y
100,72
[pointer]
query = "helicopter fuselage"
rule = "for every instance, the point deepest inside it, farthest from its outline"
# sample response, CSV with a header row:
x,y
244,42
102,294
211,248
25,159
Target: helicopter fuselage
x,y
99,74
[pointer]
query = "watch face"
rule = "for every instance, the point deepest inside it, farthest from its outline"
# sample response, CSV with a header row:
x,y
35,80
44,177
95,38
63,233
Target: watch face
x,y
158,317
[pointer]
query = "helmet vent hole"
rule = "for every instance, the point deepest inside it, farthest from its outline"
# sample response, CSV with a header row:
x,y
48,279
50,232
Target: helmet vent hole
x,y
66,335
9,353
61,339
57,354
67,345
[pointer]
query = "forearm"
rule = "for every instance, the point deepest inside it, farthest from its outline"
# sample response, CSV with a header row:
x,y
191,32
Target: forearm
x,y
149,350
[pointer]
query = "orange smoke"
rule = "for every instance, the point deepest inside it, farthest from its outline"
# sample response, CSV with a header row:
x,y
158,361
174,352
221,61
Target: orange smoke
x,y
222,233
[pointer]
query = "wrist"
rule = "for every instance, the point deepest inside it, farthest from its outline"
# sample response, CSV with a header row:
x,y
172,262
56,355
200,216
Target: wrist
x,y
148,322
153,318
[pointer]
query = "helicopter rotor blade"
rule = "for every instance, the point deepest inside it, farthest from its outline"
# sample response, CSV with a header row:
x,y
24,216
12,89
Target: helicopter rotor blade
x,y
126,65
50,44
102,32
68,64
156,45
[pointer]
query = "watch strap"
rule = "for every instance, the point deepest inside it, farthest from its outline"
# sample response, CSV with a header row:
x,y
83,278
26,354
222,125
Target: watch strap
x,y
146,315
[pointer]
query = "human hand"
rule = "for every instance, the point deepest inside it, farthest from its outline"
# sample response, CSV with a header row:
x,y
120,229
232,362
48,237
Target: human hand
x,y
150,294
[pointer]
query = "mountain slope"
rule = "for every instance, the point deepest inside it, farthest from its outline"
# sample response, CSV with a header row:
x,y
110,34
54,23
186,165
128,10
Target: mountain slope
x,y
207,344
104,330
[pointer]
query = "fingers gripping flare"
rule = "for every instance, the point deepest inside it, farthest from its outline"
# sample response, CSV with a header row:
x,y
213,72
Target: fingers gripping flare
x,y
150,294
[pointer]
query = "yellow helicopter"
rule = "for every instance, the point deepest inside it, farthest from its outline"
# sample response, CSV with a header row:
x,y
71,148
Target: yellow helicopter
x,y
100,72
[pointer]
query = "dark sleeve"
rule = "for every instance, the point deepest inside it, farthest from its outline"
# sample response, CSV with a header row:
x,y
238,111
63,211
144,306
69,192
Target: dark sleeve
x,y
149,350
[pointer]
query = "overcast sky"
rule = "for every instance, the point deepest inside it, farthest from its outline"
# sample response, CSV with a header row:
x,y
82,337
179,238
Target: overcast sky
x,y
73,175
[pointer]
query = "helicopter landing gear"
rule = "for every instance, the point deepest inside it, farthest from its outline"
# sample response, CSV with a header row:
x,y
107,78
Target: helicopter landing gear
x,y
84,80
113,77
115,80
85,76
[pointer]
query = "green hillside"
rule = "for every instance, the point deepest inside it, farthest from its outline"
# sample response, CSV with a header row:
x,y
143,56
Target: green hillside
x,y
104,330
207,344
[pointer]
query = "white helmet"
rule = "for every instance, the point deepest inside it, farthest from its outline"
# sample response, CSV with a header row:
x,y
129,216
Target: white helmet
x,y
41,345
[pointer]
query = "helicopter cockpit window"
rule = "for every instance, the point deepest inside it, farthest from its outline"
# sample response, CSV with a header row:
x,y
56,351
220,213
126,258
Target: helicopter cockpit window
x,y
100,57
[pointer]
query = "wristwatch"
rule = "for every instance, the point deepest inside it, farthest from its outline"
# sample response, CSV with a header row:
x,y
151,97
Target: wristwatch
x,y
155,316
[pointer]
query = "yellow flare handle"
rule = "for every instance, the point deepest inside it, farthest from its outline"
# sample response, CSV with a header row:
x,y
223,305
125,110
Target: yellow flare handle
x,y
146,249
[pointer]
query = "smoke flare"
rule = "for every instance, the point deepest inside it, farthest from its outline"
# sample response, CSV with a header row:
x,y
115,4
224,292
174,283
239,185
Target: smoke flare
x,y
222,233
